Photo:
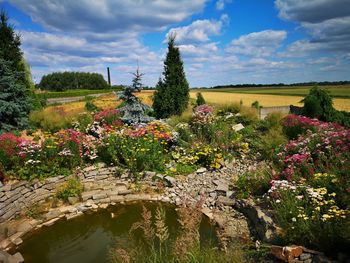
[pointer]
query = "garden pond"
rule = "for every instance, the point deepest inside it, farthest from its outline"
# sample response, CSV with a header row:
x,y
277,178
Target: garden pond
x,y
93,236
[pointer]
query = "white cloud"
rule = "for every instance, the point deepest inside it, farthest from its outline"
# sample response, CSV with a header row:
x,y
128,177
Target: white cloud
x,y
257,44
199,30
105,17
220,4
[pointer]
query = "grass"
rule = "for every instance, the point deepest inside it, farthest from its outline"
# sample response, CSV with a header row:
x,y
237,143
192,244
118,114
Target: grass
x,y
342,91
74,93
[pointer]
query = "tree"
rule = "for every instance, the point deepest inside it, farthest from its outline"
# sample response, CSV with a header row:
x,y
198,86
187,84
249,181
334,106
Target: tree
x,y
319,104
172,93
134,111
10,43
15,102
200,99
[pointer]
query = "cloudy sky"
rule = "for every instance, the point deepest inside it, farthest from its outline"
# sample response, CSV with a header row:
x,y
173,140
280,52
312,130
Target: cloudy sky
x,y
221,41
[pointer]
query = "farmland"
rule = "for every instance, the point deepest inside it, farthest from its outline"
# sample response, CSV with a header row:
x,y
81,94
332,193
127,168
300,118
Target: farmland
x,y
340,91
225,96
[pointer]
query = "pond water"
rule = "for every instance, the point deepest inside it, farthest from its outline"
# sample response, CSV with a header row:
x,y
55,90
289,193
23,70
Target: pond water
x,y
90,237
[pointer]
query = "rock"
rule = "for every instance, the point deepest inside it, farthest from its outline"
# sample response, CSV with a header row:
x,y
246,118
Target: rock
x,y
201,170
73,200
99,196
16,258
52,214
149,174
222,187
287,253
263,225
223,200
238,127
171,181
304,256
124,192
50,222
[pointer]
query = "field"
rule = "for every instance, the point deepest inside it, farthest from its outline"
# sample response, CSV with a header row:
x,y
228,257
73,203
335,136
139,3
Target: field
x,y
265,100
341,91
281,97
74,93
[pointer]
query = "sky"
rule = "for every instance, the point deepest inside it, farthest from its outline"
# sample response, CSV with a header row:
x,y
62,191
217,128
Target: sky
x,y
221,41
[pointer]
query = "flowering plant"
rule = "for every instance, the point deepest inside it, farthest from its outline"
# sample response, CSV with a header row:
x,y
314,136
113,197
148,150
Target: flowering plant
x,y
109,116
203,114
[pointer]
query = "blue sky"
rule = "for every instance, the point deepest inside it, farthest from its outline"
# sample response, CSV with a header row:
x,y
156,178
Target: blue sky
x,y
221,41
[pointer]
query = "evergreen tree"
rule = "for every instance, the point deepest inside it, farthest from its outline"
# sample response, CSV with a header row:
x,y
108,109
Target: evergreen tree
x,y
15,103
10,43
200,99
172,93
319,104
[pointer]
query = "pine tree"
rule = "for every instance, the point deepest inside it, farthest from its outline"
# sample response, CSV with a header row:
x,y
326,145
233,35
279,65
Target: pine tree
x,y
15,103
10,43
172,93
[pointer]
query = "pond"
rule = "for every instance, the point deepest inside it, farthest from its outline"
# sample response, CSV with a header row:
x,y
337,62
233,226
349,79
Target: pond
x,y
91,237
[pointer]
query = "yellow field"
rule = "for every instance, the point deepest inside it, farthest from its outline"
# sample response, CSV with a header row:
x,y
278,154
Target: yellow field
x,y
264,100
109,101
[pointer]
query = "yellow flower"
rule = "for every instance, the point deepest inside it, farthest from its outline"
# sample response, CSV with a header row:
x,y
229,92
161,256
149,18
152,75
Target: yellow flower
x,y
294,219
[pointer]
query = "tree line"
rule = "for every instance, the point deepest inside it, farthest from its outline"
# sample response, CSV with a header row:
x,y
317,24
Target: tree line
x,y
311,83
62,81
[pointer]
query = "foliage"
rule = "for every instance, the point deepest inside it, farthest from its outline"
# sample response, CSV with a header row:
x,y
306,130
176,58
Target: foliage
x,y
200,99
14,99
326,149
72,188
53,121
318,104
90,106
311,216
10,51
254,182
256,105
138,147
172,92
61,81
10,45
133,110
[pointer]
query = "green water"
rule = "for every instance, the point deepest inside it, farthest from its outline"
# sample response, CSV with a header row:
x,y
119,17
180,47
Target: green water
x,y
90,237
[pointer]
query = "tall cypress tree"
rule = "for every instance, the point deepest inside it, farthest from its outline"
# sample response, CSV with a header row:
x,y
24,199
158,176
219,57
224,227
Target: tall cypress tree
x,y
172,93
10,43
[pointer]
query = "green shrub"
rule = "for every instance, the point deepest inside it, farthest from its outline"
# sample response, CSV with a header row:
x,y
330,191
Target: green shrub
x,y
200,99
222,109
83,121
138,154
271,141
91,107
254,183
315,222
52,121
273,119
248,115
72,188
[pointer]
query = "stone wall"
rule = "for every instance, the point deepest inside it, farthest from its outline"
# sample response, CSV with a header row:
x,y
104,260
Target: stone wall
x,y
266,110
16,198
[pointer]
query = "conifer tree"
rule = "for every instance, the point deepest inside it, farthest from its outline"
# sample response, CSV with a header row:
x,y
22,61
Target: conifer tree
x,y
15,103
10,43
172,93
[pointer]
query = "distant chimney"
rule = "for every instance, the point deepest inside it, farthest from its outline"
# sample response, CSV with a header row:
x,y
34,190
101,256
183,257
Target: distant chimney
x,y
109,76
